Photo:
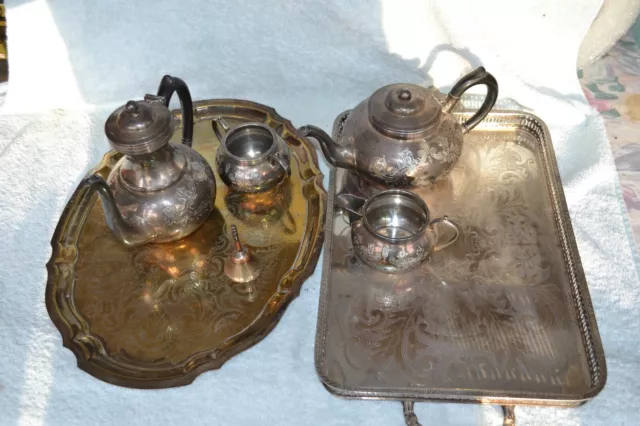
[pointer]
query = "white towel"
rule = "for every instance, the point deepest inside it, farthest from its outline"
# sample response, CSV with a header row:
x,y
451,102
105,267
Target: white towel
x,y
73,62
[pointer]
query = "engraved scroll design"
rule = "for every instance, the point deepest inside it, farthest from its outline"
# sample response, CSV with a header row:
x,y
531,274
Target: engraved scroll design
x,y
409,169
189,207
406,260
487,311
244,178
422,337
91,276
397,257
184,300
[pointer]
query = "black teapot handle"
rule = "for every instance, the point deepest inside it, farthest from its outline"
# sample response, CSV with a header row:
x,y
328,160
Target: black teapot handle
x,y
170,84
478,76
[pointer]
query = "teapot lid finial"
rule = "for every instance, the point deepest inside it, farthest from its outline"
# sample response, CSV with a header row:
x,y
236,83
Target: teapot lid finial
x,y
404,94
140,127
400,110
132,108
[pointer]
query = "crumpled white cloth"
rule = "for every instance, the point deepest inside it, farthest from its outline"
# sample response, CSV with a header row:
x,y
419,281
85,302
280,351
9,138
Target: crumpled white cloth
x,y
72,63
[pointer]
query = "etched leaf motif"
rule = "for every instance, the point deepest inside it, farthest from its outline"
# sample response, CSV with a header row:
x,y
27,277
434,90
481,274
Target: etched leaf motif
x,y
198,171
406,162
486,311
372,253
407,169
404,259
406,165
177,214
245,178
402,253
380,167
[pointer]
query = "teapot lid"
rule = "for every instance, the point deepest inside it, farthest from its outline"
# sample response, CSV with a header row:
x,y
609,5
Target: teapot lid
x,y
140,127
402,109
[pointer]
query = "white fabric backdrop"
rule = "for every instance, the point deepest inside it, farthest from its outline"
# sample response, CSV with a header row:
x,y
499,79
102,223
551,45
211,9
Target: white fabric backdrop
x,y
72,62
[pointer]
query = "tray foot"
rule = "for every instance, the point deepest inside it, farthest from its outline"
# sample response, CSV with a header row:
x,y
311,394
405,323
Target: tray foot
x,y
509,415
410,417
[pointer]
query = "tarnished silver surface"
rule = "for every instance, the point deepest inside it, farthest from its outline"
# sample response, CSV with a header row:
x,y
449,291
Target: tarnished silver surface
x,y
404,135
158,191
251,157
503,316
392,231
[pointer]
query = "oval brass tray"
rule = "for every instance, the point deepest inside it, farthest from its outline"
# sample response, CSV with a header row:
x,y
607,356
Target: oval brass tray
x,y
159,315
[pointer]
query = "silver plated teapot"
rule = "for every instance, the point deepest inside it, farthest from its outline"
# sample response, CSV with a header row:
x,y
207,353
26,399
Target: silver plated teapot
x,y
158,191
404,135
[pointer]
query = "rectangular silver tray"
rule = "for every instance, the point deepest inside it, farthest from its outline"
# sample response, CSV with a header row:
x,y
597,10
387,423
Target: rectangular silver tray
x,y
503,316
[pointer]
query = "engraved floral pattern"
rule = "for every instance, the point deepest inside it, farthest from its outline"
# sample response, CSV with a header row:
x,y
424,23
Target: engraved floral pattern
x,y
490,312
405,165
404,260
399,257
176,214
176,295
409,169
190,206
245,178
198,171
159,315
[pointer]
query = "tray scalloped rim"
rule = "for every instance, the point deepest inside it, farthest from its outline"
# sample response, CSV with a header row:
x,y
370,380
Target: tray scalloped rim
x,y
90,351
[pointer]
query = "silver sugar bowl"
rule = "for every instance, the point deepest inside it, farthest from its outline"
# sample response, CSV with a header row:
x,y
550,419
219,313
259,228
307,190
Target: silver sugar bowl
x,y
158,191
251,157
392,231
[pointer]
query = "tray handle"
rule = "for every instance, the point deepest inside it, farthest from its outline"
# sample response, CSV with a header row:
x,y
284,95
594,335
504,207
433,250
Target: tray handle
x,y
410,417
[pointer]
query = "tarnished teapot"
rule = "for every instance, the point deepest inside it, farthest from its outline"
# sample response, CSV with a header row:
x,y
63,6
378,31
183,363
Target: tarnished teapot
x,y
158,191
403,135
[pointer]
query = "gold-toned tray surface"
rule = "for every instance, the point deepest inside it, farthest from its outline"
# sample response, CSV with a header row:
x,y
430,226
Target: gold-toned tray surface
x,y
159,315
502,316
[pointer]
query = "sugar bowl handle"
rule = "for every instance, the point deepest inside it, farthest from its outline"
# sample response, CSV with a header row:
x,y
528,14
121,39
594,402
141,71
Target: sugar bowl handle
x,y
351,203
444,220
283,163
479,76
220,127
170,84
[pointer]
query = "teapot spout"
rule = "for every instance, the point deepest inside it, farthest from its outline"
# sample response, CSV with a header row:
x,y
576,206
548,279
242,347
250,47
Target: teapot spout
x,y
120,228
342,156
